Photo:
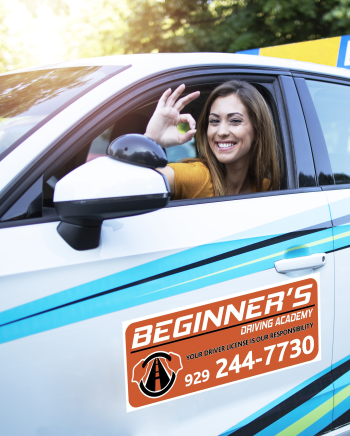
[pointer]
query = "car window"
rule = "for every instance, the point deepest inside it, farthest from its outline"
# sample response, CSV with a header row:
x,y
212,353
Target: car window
x,y
99,146
30,98
332,102
135,121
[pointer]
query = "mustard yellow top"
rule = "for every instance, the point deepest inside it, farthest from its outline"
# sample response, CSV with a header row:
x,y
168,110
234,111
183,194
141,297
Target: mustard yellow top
x,y
193,180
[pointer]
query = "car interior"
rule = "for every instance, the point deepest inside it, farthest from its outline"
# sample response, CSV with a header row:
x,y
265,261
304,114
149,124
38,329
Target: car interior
x,y
135,121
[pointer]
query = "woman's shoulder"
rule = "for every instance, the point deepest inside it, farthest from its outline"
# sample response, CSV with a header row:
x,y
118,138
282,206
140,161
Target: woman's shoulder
x,y
190,165
193,171
266,184
192,180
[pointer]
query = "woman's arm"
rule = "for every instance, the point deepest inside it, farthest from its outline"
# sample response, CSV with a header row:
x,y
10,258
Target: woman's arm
x,y
170,175
162,126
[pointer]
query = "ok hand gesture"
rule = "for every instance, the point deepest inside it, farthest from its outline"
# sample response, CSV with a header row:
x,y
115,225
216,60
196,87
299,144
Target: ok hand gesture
x,y
162,127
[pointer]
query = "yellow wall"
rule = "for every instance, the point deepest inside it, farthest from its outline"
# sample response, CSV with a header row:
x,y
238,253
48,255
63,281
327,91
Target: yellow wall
x,y
322,51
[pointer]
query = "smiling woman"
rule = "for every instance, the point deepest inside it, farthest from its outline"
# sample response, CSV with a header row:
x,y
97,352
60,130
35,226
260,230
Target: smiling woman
x,y
236,138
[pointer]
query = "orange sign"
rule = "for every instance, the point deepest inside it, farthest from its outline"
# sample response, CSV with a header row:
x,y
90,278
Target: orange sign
x,y
217,342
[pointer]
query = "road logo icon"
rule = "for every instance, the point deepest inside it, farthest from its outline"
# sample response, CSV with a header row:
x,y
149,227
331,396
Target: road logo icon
x,y
157,374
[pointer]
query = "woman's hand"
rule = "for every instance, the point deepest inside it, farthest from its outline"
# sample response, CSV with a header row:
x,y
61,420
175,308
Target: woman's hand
x,y
162,127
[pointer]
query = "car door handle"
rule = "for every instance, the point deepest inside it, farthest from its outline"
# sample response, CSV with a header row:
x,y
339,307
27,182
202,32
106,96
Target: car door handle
x,y
299,263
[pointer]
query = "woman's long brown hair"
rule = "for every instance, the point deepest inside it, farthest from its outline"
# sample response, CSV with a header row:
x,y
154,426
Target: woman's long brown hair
x,y
265,149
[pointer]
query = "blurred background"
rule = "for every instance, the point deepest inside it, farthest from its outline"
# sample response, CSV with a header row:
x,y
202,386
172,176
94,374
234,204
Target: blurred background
x,y
37,32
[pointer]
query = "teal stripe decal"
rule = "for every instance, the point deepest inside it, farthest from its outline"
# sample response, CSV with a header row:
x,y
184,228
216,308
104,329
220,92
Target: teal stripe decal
x,y
341,236
341,408
211,274
299,412
221,271
122,278
340,384
317,426
245,238
310,417
275,403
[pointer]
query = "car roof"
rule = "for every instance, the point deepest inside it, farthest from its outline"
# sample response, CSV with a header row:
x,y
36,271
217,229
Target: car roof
x,y
165,61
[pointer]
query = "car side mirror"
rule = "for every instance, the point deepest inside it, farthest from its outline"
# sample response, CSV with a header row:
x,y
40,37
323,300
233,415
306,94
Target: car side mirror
x,y
124,183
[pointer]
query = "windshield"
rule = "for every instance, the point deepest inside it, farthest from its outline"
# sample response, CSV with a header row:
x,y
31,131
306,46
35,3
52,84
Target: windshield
x,y
30,99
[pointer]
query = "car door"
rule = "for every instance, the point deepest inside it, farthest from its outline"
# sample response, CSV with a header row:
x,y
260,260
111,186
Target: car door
x,y
179,321
327,104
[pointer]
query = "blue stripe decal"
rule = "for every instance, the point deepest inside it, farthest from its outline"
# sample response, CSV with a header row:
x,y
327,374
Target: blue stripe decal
x,y
317,426
301,411
343,407
266,231
343,242
298,413
340,362
274,403
339,384
125,277
211,274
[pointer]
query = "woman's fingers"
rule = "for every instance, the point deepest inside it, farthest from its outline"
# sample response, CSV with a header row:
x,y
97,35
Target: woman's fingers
x,y
187,118
163,99
175,95
186,137
185,100
169,99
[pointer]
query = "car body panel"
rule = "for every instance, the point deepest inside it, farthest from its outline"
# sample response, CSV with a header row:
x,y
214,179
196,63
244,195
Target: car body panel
x,y
84,324
62,311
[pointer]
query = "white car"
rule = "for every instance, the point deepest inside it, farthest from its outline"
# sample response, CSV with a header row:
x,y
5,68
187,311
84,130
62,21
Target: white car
x,y
125,313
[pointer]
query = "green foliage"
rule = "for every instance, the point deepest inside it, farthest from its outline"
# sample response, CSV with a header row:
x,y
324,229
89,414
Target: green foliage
x,y
91,28
230,25
96,30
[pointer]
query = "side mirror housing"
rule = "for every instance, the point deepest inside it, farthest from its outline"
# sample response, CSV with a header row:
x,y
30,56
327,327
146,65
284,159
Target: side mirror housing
x,y
137,150
106,188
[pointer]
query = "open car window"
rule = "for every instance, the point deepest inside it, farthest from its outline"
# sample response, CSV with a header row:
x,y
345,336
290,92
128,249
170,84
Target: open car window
x,y
99,145
135,120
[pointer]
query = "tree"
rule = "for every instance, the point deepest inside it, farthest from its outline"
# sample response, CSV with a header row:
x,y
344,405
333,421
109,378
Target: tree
x,y
106,27
230,25
95,29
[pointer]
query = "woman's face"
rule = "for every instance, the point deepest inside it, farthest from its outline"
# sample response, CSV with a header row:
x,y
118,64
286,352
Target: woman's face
x,y
230,131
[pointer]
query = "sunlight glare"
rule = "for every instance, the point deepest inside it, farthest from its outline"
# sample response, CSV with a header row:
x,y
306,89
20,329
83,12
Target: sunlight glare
x,y
40,37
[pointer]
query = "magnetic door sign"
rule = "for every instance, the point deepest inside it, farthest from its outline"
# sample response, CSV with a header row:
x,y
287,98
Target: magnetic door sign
x,y
205,346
